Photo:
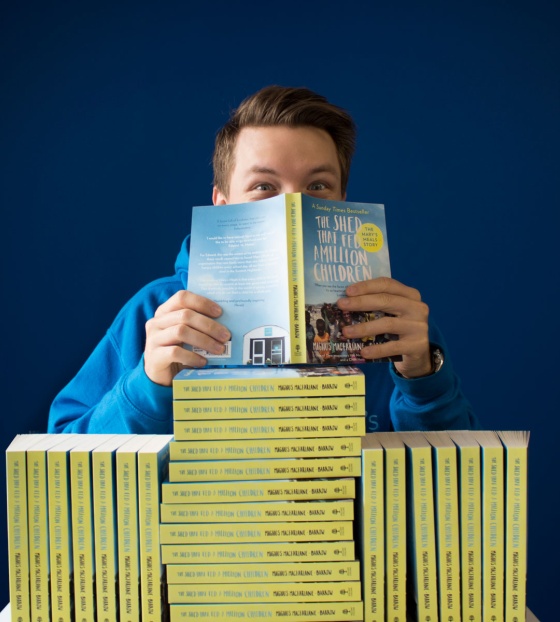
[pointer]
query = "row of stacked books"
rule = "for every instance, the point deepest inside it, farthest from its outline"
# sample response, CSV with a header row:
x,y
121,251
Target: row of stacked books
x,y
258,510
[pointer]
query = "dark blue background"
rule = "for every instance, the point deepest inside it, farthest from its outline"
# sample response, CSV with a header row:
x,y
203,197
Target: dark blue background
x,y
107,119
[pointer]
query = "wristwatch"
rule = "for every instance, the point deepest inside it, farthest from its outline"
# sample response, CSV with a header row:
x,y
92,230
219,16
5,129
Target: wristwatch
x,y
437,363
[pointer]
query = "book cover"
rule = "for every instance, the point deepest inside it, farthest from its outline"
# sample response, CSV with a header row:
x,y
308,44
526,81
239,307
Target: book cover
x,y
271,511
298,427
493,541
259,382
245,449
272,407
446,485
516,456
263,573
277,268
83,546
422,530
470,504
372,529
258,552
395,525
273,468
18,526
153,460
105,526
127,528
257,490
60,529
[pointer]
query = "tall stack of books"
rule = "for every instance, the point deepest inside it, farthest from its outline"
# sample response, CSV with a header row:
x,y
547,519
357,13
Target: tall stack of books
x,y
258,511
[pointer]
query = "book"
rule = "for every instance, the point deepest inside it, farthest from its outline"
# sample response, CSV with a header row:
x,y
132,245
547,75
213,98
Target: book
x,y
305,612
470,504
493,544
265,592
38,525
273,468
18,526
313,531
253,490
105,526
234,429
264,448
153,461
83,547
264,382
277,268
372,529
258,552
60,529
271,511
272,407
395,525
516,458
447,523
263,573
127,528
422,528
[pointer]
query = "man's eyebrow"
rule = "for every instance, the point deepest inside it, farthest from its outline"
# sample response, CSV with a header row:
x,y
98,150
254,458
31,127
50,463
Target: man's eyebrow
x,y
322,168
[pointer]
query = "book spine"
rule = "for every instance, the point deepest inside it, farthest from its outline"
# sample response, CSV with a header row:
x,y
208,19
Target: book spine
x,y
257,553
273,407
256,532
257,512
305,612
269,428
230,492
296,281
266,592
264,448
263,573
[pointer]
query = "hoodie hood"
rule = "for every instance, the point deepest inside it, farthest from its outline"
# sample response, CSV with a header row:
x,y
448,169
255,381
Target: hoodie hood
x,y
182,262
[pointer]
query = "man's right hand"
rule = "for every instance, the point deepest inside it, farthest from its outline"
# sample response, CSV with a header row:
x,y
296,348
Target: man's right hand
x,y
185,318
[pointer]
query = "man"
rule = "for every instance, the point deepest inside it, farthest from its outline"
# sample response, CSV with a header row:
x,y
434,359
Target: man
x,y
279,140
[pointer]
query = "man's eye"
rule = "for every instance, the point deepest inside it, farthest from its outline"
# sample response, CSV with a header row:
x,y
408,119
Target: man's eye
x,y
317,186
264,187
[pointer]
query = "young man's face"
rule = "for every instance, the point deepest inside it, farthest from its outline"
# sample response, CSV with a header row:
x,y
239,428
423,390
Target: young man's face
x,y
279,159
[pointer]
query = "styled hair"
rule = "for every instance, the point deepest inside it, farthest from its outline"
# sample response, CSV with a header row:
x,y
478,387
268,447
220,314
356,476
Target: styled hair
x,y
290,106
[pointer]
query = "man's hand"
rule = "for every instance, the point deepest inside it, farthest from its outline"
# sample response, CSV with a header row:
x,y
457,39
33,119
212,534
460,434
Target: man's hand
x,y
410,323
185,318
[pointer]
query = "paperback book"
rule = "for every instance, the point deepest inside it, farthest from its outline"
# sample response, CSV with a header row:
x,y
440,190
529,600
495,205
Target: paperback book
x,y
277,267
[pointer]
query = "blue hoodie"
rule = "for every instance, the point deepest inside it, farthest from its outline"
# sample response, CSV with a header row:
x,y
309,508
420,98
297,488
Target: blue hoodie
x,y
111,393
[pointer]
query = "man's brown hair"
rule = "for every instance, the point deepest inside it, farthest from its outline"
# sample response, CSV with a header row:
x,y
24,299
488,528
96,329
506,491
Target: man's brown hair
x,y
291,106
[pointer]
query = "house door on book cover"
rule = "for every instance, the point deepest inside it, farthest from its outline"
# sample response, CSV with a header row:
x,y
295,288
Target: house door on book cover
x,y
267,350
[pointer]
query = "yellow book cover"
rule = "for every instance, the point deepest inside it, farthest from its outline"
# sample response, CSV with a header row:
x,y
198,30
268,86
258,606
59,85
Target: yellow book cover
x,y
272,511
305,612
258,490
153,460
38,521
265,592
83,546
395,525
269,428
470,508
105,526
246,449
258,382
423,528
256,532
516,450
493,541
275,468
60,529
372,529
263,573
127,528
18,526
272,407
446,492
256,553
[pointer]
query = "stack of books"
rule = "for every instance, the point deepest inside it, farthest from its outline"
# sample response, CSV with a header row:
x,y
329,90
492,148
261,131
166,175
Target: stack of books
x,y
257,514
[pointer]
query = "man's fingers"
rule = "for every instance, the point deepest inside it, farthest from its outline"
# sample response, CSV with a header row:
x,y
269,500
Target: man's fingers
x,y
184,299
